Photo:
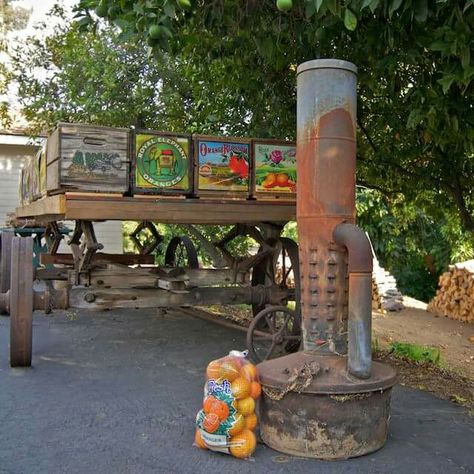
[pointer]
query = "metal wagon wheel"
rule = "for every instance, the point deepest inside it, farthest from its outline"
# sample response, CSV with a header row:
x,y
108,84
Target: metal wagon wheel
x,y
6,238
181,253
21,302
274,332
280,268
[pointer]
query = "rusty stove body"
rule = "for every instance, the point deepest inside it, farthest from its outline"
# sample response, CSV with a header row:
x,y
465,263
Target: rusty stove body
x,y
330,400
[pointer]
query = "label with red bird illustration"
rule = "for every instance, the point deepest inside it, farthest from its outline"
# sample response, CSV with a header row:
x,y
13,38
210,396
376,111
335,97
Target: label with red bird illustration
x,y
223,166
275,168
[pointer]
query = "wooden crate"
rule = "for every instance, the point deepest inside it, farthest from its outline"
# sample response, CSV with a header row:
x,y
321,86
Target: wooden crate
x,y
161,163
222,166
41,164
87,158
274,169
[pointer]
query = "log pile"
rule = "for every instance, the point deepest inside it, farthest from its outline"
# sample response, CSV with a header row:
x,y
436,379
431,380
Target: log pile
x,y
455,295
385,294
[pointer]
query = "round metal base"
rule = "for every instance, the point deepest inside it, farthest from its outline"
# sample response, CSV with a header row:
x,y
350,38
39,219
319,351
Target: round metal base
x,y
326,415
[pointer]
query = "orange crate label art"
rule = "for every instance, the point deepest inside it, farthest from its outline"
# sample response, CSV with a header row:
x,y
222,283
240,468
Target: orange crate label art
x,y
161,162
275,168
223,166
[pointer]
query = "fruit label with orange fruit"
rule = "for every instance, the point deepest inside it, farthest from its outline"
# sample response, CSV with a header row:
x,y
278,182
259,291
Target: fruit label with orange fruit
x,y
227,420
275,168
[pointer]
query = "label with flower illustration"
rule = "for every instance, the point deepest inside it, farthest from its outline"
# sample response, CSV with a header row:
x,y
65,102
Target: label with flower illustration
x,y
275,168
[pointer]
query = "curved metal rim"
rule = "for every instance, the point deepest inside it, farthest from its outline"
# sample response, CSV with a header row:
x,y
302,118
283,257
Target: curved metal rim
x,y
252,329
326,64
21,302
170,255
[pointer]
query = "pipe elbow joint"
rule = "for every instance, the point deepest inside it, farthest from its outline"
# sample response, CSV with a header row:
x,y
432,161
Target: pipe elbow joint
x,y
359,252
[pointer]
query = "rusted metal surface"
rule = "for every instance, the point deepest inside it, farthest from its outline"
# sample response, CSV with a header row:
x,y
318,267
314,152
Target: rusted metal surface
x,y
325,426
331,376
359,327
21,302
312,407
326,148
320,403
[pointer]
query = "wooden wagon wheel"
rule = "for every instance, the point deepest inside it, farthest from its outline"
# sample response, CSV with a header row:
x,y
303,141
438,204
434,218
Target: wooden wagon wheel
x,y
181,253
21,302
280,268
274,332
5,260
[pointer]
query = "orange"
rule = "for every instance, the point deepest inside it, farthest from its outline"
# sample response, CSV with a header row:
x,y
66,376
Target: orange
x,y
238,425
211,422
246,406
213,370
198,441
249,372
207,404
240,388
251,421
229,370
243,445
255,390
221,409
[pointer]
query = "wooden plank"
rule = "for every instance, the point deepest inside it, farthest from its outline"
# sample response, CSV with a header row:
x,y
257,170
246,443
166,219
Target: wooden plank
x,y
93,299
68,259
52,206
166,211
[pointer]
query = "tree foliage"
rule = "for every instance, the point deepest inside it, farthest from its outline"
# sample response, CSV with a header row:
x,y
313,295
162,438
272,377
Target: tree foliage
x,y
415,75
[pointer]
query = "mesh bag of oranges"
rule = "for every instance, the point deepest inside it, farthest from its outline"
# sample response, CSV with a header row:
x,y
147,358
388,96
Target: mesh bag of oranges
x,y
227,421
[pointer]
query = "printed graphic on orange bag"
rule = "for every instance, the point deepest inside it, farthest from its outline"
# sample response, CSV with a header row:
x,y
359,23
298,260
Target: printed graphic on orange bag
x,y
227,420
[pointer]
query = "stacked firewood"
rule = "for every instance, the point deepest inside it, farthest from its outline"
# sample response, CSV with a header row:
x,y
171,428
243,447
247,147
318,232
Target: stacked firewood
x,y
455,295
385,294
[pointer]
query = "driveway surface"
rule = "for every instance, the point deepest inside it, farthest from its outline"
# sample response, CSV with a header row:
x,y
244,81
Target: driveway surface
x,y
117,392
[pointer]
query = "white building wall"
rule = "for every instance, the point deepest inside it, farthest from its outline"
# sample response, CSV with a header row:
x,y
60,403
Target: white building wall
x,y
12,158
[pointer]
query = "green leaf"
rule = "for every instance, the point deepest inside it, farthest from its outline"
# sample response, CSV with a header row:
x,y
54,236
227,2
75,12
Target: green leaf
x,y
465,57
332,6
318,4
421,10
373,5
170,9
350,20
394,6
310,9
446,82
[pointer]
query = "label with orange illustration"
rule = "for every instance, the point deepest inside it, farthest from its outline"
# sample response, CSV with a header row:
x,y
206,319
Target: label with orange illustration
x,y
275,168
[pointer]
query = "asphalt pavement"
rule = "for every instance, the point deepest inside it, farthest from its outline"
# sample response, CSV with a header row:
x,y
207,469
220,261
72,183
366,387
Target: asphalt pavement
x,y
118,391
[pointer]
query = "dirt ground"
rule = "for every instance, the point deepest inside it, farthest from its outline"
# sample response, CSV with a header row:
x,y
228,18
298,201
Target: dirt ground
x,y
415,325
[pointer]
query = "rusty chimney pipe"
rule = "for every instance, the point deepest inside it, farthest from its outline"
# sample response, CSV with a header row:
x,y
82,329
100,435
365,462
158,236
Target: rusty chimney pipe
x,y
326,129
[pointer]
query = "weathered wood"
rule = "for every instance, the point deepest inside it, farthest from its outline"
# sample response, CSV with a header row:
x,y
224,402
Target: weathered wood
x,y
173,211
52,274
94,299
115,277
88,158
68,259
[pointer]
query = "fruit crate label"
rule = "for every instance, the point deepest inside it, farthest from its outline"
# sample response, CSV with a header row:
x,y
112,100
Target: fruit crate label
x,y
161,162
223,166
215,442
275,168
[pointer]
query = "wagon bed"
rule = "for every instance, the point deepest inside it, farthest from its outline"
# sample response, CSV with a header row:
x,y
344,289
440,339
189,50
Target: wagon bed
x,y
92,207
